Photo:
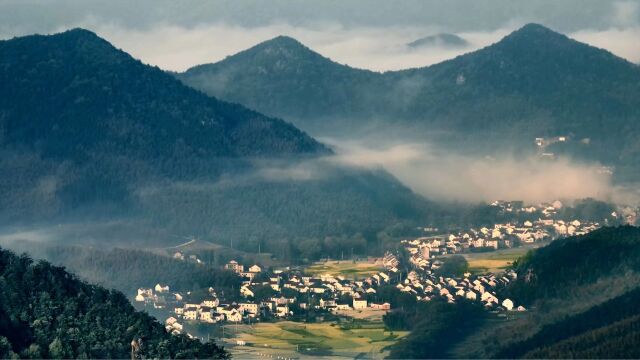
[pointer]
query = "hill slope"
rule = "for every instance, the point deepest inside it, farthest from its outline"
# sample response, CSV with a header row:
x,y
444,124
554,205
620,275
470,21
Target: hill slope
x,y
581,293
74,95
282,76
88,132
610,330
533,83
46,312
570,263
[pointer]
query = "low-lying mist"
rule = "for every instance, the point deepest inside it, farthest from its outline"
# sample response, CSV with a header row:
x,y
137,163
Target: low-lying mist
x,y
439,174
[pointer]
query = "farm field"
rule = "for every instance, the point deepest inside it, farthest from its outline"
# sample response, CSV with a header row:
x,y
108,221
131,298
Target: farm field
x,y
495,261
347,268
288,339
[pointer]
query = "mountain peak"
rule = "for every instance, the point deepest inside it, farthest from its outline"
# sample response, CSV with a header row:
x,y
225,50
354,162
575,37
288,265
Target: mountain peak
x,y
284,40
78,32
78,35
535,32
441,39
282,46
535,27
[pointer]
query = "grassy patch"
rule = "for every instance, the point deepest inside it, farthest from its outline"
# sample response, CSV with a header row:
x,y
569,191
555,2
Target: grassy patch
x,y
317,339
345,268
494,261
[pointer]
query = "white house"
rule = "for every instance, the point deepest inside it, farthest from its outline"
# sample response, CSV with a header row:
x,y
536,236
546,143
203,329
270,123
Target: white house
x,y
359,304
507,304
159,288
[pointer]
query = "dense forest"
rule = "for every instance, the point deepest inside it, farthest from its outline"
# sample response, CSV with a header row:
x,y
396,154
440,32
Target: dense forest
x,y
46,312
609,330
566,264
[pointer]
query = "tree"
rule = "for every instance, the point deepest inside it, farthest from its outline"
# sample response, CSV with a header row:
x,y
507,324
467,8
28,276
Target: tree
x,y
455,265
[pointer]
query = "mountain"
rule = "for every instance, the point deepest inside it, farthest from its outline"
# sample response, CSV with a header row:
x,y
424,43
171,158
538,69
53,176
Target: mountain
x,y
74,95
533,83
88,134
45,312
282,76
439,40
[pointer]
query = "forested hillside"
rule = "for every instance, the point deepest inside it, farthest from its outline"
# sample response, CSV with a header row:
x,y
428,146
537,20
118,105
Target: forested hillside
x,y
567,264
74,96
580,293
610,330
128,269
45,312
88,132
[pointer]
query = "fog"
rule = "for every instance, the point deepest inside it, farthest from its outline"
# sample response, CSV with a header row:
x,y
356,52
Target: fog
x,y
439,174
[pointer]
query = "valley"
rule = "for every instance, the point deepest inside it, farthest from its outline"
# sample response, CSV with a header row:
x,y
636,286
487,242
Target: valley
x,y
267,201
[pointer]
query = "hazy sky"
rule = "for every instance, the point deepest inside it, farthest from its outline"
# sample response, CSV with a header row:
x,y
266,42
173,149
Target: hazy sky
x,y
363,33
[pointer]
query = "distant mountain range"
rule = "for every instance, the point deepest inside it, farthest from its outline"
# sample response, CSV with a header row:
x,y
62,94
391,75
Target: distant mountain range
x,y
88,131
439,40
533,83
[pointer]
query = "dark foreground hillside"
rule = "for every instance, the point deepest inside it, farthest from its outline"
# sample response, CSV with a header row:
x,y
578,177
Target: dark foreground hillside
x,y
568,264
609,330
45,312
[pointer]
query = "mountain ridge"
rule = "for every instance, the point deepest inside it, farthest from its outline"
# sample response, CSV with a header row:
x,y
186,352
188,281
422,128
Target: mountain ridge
x,y
534,82
82,59
88,134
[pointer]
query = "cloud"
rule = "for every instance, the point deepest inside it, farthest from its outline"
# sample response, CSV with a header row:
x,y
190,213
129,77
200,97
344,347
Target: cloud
x,y
626,13
623,42
440,175
380,49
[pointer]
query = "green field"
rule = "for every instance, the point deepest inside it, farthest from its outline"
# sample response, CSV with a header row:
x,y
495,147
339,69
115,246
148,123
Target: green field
x,y
292,339
346,268
494,261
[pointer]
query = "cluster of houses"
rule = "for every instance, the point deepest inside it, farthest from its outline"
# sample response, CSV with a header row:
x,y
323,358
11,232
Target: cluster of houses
x,y
320,292
294,290
500,236
426,286
210,310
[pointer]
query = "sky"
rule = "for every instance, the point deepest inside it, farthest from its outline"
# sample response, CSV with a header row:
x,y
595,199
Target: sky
x,y
370,34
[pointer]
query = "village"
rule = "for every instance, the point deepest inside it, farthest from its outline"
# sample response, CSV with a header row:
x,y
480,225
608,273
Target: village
x,y
500,236
292,293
